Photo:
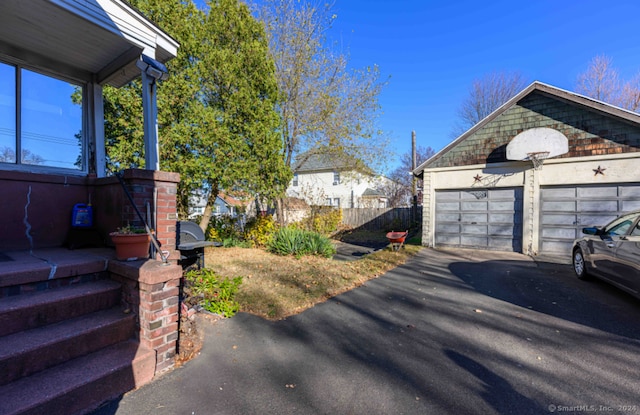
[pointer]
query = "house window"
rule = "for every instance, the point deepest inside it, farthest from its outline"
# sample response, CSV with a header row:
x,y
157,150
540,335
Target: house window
x,y
336,178
328,201
336,202
39,122
295,179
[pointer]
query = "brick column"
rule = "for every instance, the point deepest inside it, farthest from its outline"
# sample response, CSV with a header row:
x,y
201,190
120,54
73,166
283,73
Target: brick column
x,y
151,290
159,189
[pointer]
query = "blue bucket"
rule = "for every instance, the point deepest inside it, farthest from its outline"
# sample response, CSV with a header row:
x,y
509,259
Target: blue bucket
x,y
82,216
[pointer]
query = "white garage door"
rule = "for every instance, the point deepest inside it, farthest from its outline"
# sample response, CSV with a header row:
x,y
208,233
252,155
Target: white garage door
x,y
566,210
484,219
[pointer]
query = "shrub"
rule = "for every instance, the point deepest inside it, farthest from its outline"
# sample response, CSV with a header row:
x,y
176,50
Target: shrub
x,y
223,227
213,293
323,220
258,230
298,242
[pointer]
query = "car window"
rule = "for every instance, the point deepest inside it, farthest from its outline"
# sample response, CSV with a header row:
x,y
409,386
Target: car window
x,y
636,230
620,226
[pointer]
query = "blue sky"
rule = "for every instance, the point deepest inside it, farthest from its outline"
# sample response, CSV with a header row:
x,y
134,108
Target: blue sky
x,y
433,50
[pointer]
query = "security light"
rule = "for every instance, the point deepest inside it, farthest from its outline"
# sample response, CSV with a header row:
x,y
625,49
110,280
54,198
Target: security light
x,y
153,68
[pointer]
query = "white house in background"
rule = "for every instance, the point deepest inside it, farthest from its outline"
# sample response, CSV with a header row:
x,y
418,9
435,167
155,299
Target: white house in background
x,y
224,205
322,178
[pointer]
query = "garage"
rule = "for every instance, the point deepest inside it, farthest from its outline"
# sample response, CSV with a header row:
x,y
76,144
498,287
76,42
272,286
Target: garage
x,y
479,218
532,174
565,210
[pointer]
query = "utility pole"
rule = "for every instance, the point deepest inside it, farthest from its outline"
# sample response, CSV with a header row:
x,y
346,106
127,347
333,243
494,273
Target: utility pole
x,y
414,179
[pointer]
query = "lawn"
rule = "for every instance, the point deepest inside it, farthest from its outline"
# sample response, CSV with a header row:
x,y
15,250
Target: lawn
x,y
275,287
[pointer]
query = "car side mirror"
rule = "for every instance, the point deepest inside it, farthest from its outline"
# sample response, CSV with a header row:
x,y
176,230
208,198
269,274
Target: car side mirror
x,y
591,231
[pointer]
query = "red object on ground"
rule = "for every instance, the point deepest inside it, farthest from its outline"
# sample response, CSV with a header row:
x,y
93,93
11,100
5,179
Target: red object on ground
x,y
397,239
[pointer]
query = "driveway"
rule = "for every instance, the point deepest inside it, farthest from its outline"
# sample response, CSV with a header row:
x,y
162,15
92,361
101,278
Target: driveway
x,y
463,332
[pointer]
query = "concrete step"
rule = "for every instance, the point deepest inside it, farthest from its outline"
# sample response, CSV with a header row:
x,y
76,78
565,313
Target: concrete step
x,y
82,384
40,308
28,352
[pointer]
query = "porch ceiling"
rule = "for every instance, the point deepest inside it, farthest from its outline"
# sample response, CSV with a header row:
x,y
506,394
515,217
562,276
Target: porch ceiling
x,y
93,40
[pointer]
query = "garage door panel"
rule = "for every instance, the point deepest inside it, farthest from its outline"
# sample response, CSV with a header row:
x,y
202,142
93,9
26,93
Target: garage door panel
x,y
597,206
500,206
448,207
448,227
551,219
485,219
628,205
473,206
502,230
597,192
556,247
595,220
507,218
559,206
474,241
502,244
447,217
474,229
447,239
566,210
562,233
474,217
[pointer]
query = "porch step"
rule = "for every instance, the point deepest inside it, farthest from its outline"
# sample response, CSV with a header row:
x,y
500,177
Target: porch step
x,y
40,308
30,351
82,384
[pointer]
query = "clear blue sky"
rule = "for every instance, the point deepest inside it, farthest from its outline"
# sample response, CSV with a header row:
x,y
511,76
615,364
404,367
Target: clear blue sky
x,y
433,50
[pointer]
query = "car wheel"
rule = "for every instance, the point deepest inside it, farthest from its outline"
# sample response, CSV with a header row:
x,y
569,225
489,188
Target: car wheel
x,y
579,266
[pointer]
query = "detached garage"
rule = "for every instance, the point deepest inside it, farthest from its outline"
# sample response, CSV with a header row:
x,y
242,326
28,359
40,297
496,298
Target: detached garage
x,y
531,175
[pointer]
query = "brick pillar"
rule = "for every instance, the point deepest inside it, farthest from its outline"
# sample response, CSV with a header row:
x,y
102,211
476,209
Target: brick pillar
x,y
159,189
151,290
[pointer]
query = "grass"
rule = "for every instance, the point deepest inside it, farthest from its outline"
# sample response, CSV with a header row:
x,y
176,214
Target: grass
x,y
275,287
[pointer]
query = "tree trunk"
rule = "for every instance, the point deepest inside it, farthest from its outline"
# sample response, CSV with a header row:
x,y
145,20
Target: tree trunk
x,y
206,215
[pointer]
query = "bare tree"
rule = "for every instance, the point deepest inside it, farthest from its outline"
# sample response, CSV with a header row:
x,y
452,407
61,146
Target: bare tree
x,y
398,191
600,80
485,96
322,102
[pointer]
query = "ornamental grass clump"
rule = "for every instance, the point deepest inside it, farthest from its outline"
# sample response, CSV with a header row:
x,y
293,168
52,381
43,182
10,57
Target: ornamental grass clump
x,y
298,242
212,292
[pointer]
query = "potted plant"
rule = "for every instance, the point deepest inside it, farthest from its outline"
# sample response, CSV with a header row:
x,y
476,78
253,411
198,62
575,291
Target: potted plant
x,y
131,243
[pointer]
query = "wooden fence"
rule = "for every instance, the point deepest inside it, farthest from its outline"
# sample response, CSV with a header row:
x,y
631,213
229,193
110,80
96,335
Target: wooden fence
x,y
382,219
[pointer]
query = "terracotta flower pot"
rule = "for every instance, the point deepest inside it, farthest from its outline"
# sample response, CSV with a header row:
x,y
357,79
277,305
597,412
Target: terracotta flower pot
x,y
131,246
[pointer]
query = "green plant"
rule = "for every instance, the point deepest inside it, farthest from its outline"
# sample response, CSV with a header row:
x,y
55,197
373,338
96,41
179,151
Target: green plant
x,y
293,241
212,292
223,227
258,230
130,230
323,219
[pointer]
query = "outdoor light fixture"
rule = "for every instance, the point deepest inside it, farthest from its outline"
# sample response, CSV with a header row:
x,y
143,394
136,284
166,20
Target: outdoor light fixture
x,y
153,68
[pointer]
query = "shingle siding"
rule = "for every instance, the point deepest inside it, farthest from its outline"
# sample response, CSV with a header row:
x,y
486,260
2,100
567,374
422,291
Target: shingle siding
x,y
588,132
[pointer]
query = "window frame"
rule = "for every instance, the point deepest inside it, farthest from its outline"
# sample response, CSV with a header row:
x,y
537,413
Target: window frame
x,y
17,165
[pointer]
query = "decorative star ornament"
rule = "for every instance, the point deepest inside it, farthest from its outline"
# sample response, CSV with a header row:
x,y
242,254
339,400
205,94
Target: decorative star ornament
x,y
599,170
477,178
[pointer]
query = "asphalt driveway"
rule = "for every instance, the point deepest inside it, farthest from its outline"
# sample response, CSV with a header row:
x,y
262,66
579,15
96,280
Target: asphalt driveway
x,y
450,332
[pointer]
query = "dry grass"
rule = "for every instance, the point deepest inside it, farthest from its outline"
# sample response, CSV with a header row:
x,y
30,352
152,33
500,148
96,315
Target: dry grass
x,y
275,287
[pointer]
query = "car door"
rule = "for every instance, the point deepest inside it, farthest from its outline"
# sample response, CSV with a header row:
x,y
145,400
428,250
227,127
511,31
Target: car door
x,y
604,247
628,258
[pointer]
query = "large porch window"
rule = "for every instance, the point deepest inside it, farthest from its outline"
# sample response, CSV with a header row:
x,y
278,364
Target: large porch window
x,y
40,124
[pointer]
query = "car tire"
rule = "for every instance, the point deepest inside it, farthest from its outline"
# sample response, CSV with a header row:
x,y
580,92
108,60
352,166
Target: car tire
x,y
579,265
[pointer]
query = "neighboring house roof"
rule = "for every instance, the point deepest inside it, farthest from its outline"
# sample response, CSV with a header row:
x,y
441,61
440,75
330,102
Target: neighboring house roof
x,y
323,160
543,90
229,200
369,192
